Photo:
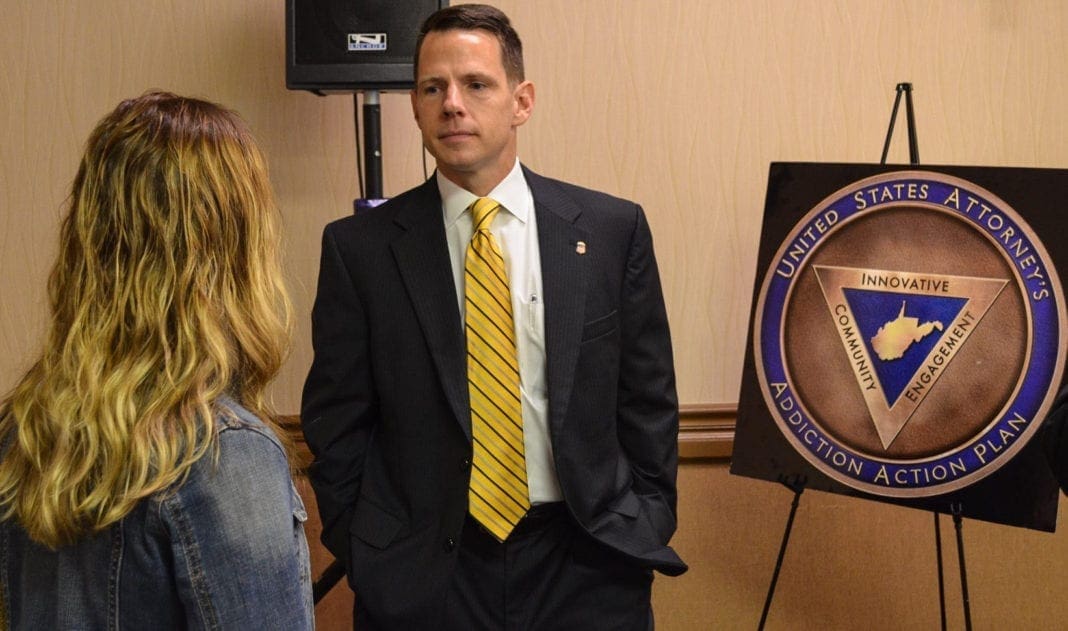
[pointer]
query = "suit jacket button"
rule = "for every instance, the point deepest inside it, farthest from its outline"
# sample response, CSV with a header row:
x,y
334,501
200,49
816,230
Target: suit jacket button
x,y
449,545
465,464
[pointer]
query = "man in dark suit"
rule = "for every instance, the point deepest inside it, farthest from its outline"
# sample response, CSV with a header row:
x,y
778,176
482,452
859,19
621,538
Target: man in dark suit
x,y
403,463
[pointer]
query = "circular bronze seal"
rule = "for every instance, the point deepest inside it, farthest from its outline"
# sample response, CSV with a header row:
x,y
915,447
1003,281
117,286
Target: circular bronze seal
x,y
910,334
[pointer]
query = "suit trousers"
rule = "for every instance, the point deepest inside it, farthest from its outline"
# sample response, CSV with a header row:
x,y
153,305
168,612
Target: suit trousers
x,y
549,574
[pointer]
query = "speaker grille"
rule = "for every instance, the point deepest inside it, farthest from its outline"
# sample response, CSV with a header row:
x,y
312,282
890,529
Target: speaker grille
x,y
346,45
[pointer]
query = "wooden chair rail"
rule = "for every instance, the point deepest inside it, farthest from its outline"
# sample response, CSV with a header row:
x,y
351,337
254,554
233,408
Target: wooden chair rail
x,y
706,431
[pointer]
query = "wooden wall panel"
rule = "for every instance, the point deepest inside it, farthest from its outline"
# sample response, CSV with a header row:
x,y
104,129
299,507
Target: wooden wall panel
x,y
677,104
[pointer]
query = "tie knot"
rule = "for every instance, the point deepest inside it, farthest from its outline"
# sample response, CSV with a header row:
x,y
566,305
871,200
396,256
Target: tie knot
x,y
483,211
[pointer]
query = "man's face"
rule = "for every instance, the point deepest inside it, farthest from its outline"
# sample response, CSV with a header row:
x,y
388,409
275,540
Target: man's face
x,y
467,109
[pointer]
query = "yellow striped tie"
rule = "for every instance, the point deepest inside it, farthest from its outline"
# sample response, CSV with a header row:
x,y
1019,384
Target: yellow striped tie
x,y
498,494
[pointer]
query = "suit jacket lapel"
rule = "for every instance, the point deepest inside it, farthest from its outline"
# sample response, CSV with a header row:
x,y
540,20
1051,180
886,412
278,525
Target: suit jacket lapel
x,y
564,278
422,255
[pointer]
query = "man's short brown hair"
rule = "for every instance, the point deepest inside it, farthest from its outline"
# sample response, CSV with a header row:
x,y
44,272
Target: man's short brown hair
x,y
469,17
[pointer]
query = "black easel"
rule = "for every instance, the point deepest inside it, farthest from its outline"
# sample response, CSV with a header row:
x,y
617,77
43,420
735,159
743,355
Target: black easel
x,y
956,509
795,483
958,523
941,579
914,151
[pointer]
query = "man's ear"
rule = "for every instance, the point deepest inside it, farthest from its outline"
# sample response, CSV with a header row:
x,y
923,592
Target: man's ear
x,y
523,97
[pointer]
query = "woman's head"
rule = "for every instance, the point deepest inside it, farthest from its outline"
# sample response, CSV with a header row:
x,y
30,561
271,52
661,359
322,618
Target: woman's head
x,y
172,240
166,294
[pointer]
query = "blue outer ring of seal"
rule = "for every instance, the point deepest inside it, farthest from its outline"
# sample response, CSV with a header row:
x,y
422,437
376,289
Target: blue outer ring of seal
x,y
1040,376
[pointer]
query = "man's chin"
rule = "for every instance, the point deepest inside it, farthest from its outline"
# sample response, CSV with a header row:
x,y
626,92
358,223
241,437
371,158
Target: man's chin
x,y
452,153
449,162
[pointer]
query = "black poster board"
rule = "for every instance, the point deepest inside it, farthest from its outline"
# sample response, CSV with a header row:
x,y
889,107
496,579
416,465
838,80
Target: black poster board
x,y
907,336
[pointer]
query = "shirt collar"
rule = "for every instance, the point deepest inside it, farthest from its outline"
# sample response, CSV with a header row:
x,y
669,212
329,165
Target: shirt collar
x,y
509,193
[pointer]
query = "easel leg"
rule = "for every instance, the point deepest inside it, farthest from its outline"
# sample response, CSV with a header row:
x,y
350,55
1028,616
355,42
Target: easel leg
x,y
893,119
797,485
958,523
941,574
910,117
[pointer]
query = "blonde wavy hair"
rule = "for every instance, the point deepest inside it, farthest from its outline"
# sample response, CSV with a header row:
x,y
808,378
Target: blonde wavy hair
x,y
167,295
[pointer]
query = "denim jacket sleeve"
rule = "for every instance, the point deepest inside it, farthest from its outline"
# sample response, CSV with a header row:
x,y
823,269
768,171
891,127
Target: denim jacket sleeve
x,y
237,532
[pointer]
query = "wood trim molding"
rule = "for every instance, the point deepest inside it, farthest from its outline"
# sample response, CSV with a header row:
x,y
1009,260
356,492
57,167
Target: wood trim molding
x,y
706,431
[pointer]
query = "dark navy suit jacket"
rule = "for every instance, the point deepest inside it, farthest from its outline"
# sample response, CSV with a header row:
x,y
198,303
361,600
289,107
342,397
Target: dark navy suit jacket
x,y
385,408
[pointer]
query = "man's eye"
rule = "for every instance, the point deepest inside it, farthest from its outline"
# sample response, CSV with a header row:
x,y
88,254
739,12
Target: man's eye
x,y
478,86
430,90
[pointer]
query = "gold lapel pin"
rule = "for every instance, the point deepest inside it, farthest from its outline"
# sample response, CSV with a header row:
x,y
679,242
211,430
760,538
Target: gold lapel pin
x,y
580,247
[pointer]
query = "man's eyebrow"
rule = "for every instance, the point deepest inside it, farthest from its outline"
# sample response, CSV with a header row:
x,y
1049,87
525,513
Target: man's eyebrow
x,y
467,77
481,77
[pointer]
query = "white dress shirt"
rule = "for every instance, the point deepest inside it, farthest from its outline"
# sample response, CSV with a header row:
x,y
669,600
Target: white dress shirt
x,y
516,231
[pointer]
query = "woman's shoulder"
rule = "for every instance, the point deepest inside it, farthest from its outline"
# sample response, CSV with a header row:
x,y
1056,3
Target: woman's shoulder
x,y
237,424
245,449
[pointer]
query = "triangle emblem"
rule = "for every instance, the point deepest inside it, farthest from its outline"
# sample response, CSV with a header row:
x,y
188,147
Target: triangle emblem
x,y
900,331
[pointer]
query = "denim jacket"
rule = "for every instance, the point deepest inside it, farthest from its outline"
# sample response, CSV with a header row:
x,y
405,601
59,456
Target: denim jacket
x,y
225,550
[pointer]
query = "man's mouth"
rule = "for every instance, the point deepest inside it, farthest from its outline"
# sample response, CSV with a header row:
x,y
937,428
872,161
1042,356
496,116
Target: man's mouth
x,y
455,135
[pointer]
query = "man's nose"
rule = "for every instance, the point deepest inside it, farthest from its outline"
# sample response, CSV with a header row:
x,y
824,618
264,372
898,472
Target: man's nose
x,y
453,103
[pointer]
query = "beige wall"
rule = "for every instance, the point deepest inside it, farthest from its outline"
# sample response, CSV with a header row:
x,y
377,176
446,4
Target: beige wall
x,y
850,564
678,104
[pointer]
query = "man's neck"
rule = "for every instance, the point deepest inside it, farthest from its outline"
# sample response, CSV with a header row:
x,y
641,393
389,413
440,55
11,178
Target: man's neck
x,y
480,184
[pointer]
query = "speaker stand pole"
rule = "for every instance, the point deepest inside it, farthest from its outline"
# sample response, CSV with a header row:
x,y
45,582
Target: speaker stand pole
x,y
372,144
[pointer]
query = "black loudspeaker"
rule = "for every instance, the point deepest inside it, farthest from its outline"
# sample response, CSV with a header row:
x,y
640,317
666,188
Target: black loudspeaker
x,y
350,45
